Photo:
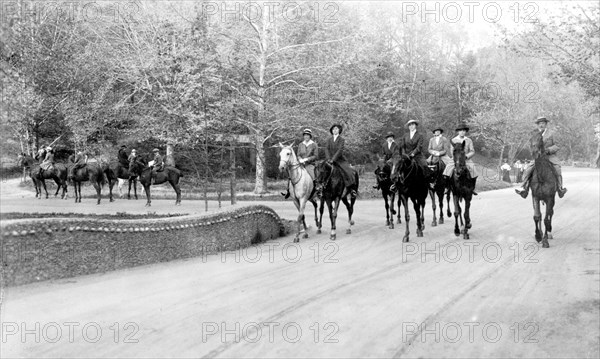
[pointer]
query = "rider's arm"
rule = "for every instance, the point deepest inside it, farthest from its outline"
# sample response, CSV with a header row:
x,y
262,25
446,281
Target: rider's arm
x,y
430,149
313,151
469,149
553,148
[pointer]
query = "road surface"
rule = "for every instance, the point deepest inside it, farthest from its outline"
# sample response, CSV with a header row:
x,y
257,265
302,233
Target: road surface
x,y
367,294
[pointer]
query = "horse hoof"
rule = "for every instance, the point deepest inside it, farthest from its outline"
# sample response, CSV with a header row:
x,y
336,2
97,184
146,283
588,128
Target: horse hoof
x,y
550,236
305,235
348,231
538,238
351,222
466,236
545,244
332,237
112,200
387,223
433,224
419,234
318,231
405,239
296,239
441,221
392,225
147,205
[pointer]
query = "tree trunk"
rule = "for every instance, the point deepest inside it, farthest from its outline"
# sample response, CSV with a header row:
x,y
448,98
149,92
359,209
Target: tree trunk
x,y
260,186
170,159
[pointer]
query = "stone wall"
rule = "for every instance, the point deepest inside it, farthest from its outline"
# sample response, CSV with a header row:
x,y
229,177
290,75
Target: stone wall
x,y
52,248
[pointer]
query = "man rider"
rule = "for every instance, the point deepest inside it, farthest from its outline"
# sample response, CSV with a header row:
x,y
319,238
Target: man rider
x,y
158,165
551,150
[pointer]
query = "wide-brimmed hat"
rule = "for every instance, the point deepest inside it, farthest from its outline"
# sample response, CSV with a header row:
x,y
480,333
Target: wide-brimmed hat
x,y
123,146
156,150
307,131
412,121
541,119
462,126
336,125
390,134
48,148
134,150
439,128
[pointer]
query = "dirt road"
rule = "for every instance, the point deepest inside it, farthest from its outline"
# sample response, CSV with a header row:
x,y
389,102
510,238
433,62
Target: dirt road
x,y
498,294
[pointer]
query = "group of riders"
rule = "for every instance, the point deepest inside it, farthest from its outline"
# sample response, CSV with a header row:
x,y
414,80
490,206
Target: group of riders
x,y
79,160
412,144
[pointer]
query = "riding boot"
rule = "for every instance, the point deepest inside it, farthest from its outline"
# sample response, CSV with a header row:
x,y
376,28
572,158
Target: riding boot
x,y
561,191
524,191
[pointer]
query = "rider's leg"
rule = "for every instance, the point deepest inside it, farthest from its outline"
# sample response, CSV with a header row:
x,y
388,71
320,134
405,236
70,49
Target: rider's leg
x,y
524,190
561,190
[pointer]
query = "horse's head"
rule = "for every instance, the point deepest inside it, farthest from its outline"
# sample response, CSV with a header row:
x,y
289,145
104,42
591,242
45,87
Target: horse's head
x,y
536,143
323,172
460,157
286,157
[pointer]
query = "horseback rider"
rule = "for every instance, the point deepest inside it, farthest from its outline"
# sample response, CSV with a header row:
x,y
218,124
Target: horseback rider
x,y
158,165
48,162
40,155
551,150
334,153
412,144
132,158
462,130
389,152
439,148
78,162
308,152
122,156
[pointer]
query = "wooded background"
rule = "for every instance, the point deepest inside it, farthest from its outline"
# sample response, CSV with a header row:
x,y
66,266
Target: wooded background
x,y
181,75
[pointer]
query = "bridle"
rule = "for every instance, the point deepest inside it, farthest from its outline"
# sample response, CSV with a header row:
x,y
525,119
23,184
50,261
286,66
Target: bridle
x,y
290,167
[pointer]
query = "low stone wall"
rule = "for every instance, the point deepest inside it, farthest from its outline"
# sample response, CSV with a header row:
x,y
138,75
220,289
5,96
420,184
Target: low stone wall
x,y
52,248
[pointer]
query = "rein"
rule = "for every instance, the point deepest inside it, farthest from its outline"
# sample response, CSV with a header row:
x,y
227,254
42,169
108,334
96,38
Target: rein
x,y
290,167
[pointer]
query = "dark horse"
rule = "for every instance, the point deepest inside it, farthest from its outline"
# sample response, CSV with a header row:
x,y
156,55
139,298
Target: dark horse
x,y
410,182
544,184
92,172
440,187
58,174
113,172
384,179
331,185
462,187
168,174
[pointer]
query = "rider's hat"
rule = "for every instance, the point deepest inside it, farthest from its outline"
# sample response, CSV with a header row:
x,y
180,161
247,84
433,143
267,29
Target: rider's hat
x,y
390,134
412,121
438,128
133,150
123,146
156,150
462,126
48,148
336,125
307,131
541,119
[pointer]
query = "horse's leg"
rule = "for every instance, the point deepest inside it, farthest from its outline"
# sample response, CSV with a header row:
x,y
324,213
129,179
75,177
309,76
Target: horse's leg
x,y
79,190
418,214
314,203
350,209
303,202
548,222
406,218
111,184
467,218
440,197
393,211
537,218
321,210
457,214
298,220
175,186
333,216
433,206
448,213
399,208
129,190
134,188
148,201
45,189
387,207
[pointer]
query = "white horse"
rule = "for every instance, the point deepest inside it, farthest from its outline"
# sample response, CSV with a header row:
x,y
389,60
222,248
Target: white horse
x,y
301,188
